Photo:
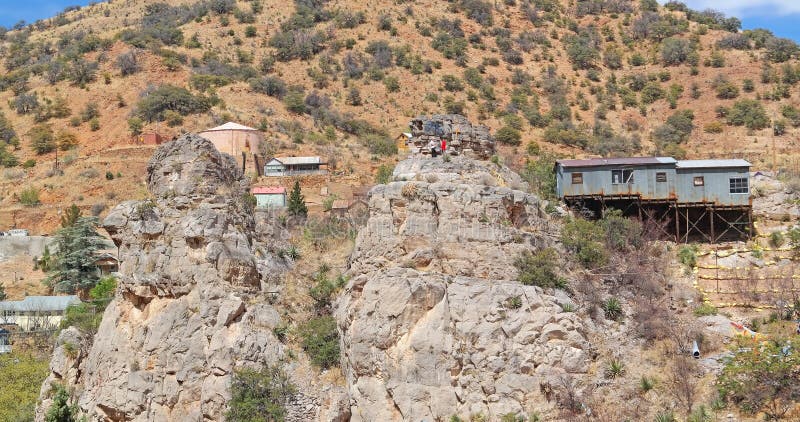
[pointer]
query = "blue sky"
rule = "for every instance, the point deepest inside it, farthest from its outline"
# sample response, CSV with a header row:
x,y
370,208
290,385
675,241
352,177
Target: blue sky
x,y
779,16
12,11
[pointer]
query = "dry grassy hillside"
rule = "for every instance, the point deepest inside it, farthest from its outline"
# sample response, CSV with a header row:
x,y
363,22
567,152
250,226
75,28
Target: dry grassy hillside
x,y
340,78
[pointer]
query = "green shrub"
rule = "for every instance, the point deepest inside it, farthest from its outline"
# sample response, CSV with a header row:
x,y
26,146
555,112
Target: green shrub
x,y
270,85
675,51
621,233
259,395
452,83
152,107
29,163
295,101
612,309
780,50
135,125
652,92
713,127
42,138
615,369
391,83
85,317
777,239
539,269
582,49
384,174
705,309
353,97
726,90
320,339
29,197
7,159
508,135
380,145
585,239
94,124
687,255
761,376
646,384
665,416
748,113
324,289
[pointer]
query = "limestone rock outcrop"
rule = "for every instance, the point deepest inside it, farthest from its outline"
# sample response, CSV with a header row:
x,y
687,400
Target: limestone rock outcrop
x,y
433,322
188,308
461,136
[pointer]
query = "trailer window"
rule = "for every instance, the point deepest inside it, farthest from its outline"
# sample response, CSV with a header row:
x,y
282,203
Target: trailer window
x,y
699,181
739,185
577,178
661,177
619,177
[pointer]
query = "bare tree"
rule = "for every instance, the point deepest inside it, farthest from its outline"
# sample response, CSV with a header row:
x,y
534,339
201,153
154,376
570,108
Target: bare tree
x,y
682,382
128,62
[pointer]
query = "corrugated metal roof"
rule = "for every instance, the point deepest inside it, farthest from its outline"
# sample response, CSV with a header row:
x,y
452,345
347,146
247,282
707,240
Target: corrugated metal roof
x,y
269,190
340,204
599,162
40,303
230,126
704,164
291,161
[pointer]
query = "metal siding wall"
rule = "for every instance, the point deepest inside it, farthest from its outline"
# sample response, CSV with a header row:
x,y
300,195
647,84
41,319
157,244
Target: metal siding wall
x,y
716,189
597,181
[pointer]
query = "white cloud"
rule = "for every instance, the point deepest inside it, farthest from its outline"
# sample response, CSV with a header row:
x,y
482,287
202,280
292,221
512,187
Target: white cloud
x,y
740,8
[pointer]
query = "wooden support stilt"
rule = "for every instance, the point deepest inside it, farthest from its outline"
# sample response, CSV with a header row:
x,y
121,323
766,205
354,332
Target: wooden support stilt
x,y
713,236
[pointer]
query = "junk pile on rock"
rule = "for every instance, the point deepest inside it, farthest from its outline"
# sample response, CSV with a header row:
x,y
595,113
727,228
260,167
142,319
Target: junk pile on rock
x,y
449,133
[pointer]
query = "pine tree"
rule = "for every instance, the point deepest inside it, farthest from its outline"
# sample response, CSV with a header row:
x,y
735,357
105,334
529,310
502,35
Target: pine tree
x,y
70,216
73,266
2,292
297,203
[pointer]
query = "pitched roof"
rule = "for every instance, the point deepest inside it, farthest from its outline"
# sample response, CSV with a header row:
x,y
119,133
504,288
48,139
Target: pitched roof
x,y
230,126
40,303
290,161
704,164
599,162
268,190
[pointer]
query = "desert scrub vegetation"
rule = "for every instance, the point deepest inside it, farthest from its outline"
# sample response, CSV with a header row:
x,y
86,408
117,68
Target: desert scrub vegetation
x,y
23,375
540,269
156,102
384,174
29,197
320,340
761,376
748,113
593,242
259,394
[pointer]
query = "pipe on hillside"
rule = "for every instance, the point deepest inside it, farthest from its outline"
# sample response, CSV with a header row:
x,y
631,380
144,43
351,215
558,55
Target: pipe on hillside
x,y
695,350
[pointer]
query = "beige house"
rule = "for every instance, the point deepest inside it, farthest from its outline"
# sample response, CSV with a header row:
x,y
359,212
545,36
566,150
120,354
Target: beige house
x,y
36,312
234,139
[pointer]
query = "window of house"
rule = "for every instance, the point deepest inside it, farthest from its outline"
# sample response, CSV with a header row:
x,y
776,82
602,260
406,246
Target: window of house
x,y
619,177
661,176
739,185
699,181
577,178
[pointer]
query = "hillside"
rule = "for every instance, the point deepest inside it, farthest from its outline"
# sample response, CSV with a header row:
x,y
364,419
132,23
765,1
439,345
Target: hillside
x,y
341,79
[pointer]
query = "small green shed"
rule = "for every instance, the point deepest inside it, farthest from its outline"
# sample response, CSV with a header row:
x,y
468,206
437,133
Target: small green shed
x,y
270,197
